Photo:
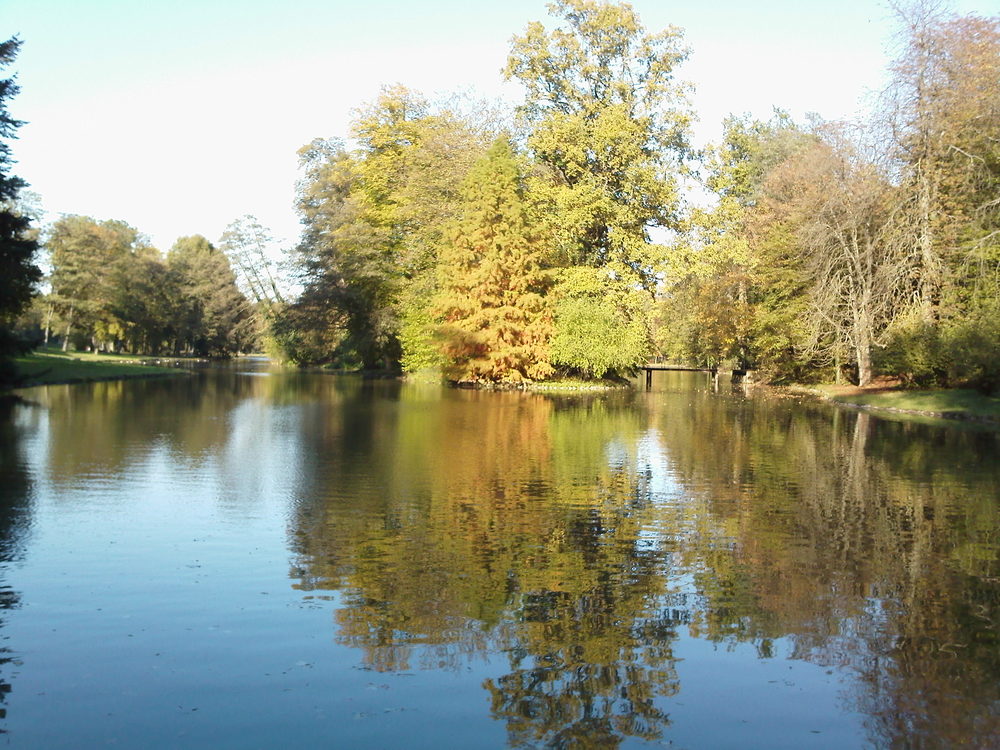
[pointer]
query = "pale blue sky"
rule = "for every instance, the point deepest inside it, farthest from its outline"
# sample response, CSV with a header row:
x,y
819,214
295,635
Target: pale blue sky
x,y
180,116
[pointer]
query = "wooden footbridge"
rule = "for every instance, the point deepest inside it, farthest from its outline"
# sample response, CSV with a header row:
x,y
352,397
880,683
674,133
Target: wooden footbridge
x,y
715,371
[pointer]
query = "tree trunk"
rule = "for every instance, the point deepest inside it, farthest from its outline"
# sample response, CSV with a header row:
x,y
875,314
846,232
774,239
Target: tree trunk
x,y
69,329
929,271
864,354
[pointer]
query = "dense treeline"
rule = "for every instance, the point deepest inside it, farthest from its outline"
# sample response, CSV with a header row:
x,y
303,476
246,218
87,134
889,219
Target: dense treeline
x,y
873,248
460,240
112,291
511,254
501,255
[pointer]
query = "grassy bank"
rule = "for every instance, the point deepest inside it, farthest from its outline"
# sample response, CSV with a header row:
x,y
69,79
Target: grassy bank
x,y
52,367
957,403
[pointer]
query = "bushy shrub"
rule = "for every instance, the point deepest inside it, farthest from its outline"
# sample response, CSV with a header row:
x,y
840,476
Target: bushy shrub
x,y
601,323
417,327
915,353
973,346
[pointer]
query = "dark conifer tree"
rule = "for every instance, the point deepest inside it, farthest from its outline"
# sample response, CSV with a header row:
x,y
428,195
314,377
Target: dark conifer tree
x,y
18,273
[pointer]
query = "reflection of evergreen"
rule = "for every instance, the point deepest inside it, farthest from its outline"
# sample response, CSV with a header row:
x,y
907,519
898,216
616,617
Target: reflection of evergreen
x,y
15,510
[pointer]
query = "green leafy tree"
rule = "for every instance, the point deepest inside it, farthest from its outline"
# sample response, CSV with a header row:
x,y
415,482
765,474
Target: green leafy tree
x,y
609,124
496,319
373,221
213,316
91,260
18,273
601,321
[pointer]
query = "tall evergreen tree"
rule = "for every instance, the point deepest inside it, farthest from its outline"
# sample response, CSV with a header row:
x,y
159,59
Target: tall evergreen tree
x,y
18,273
496,319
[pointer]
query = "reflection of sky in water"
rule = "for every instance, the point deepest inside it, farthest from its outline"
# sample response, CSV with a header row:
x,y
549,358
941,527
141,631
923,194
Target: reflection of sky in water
x,y
161,599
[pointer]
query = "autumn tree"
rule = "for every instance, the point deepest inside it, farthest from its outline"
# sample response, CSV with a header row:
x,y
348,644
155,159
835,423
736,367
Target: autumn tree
x,y
944,116
853,234
941,117
496,320
608,121
373,221
18,273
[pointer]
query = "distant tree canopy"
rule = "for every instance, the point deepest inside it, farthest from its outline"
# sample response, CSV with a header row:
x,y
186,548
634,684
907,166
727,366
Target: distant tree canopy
x,y
115,292
18,272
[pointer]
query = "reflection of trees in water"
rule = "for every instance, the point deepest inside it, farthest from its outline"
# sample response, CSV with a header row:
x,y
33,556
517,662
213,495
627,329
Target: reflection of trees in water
x,y
872,544
470,524
585,669
101,424
509,545
15,517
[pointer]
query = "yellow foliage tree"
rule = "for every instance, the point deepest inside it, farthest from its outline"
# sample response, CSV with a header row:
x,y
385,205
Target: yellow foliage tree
x,y
496,321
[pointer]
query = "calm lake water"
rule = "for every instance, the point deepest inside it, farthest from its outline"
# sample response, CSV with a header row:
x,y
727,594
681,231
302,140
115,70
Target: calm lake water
x,y
246,559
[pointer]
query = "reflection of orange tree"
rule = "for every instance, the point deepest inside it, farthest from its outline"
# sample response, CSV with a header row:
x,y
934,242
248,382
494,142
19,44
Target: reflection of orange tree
x,y
872,545
484,552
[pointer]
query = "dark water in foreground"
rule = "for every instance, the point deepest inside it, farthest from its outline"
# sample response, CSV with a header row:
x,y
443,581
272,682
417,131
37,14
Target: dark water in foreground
x,y
240,559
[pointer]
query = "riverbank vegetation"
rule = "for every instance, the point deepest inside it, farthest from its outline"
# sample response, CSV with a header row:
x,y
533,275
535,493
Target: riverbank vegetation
x,y
564,240
52,367
828,250
961,403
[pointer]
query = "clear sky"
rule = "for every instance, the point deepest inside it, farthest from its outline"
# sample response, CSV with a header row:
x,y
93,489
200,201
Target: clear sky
x,y
179,116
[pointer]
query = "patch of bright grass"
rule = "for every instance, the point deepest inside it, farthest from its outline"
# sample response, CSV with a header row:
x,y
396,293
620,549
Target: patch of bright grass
x,y
51,367
965,402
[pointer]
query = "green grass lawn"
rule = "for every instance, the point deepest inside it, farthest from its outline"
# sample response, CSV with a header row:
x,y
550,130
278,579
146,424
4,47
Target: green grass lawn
x,y
953,402
50,367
